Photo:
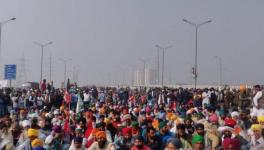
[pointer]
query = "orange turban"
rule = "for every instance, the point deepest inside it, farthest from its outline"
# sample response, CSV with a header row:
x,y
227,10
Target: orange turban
x,y
100,134
94,131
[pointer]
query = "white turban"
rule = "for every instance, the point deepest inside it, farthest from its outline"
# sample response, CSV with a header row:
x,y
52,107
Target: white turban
x,y
235,113
26,123
224,128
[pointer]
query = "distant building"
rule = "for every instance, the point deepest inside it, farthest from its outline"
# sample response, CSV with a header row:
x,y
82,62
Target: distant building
x,y
151,76
147,77
138,77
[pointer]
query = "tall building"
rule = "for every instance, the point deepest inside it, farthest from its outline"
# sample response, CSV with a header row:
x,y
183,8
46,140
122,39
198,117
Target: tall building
x,y
145,78
151,76
138,77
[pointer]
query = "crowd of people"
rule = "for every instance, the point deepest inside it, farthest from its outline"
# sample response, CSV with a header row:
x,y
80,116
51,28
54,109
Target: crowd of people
x,y
131,118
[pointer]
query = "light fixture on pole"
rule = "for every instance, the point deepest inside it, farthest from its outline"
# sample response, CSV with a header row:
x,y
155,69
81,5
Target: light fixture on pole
x,y
196,39
163,59
41,60
1,24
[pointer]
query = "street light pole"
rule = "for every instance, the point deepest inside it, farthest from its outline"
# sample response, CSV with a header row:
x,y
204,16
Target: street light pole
x,y
41,61
163,55
220,70
65,68
158,67
196,43
144,70
1,25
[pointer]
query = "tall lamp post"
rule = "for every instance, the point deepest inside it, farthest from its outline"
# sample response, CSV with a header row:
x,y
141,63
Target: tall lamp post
x,y
1,24
196,39
220,70
65,61
158,66
144,70
41,61
163,55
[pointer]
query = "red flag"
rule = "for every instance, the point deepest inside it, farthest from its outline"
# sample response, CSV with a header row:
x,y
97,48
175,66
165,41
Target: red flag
x,y
66,127
67,97
89,129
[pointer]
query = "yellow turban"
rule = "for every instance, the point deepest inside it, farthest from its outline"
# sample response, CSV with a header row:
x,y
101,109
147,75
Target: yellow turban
x,y
37,142
173,117
32,132
107,121
261,119
256,127
169,114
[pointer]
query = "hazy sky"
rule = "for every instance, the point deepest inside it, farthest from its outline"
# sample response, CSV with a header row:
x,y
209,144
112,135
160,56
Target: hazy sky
x,y
105,38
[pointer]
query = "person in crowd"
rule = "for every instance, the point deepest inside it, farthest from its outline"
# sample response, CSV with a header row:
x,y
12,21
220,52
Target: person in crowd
x,y
139,144
101,142
131,118
198,142
173,144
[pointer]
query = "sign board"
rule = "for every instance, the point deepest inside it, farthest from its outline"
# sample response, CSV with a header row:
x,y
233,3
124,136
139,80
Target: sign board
x,y
10,72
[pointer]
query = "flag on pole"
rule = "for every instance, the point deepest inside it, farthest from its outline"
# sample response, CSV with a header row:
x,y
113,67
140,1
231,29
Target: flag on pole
x,y
67,97
79,106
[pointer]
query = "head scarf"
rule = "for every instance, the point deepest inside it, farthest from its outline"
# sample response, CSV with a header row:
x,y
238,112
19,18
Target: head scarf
x,y
32,132
38,148
213,118
224,128
100,134
230,122
26,123
162,124
57,129
94,131
37,142
126,131
177,143
256,127
235,113
197,138
261,119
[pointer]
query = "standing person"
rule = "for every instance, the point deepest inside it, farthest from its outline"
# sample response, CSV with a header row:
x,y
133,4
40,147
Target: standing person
x,y
14,98
3,104
258,101
43,86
